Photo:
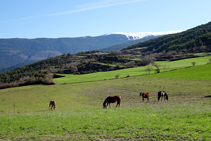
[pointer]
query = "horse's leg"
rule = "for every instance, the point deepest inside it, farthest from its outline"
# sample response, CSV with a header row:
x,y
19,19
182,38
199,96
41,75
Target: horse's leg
x,y
109,105
106,105
116,104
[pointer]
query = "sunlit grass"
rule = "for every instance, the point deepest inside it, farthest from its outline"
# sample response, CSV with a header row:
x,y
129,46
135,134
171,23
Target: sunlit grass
x,y
171,122
24,113
197,72
171,65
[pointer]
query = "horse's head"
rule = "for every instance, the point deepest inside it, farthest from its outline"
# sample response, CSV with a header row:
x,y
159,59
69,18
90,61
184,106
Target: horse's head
x,y
141,93
104,106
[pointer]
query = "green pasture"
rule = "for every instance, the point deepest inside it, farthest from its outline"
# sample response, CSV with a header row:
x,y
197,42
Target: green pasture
x,y
147,122
24,113
198,72
165,66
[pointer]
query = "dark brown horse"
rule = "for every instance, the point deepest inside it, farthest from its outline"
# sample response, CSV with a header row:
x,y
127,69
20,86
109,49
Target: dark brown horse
x,y
112,99
144,95
161,95
52,105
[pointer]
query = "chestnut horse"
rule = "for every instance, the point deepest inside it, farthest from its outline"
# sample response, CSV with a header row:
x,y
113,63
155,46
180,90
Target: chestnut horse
x,y
144,95
52,105
112,99
162,94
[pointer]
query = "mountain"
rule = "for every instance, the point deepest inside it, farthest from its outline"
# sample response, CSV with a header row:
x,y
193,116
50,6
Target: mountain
x,y
120,46
16,52
197,39
177,46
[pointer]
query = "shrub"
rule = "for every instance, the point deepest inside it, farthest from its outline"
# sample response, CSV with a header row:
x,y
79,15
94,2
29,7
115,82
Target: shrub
x,y
193,63
130,64
117,76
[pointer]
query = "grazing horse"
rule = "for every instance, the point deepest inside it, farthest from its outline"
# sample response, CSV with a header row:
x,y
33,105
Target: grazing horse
x,y
52,105
162,94
144,95
112,99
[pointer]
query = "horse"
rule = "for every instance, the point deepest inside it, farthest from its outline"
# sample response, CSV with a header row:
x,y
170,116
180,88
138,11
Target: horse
x,y
112,99
144,95
162,94
52,105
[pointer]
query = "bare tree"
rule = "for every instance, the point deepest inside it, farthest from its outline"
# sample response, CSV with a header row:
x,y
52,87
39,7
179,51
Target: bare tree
x,y
157,67
130,64
166,67
149,68
73,68
146,60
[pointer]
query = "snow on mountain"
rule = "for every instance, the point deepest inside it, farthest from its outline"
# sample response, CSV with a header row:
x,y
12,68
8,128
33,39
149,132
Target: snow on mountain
x,y
139,35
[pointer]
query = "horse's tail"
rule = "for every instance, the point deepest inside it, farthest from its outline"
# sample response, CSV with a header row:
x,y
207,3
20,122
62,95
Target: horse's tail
x,y
49,105
119,100
159,93
54,104
167,97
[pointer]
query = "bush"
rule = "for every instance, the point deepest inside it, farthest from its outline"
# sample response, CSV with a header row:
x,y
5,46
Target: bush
x,y
193,63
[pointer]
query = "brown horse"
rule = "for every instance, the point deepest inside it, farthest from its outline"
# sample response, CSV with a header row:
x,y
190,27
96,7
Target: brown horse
x,y
52,105
112,99
144,95
161,95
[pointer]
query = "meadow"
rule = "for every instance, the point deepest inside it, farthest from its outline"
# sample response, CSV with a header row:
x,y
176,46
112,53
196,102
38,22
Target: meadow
x,y
138,71
79,115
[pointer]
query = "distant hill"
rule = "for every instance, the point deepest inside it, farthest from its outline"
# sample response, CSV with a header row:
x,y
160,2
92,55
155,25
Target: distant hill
x,y
197,39
16,52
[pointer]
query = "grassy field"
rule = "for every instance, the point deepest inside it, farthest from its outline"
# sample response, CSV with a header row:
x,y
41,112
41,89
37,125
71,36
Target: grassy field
x,y
167,121
24,113
198,72
132,71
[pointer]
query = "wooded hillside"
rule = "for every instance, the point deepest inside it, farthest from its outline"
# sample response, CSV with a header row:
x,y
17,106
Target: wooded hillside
x,y
194,40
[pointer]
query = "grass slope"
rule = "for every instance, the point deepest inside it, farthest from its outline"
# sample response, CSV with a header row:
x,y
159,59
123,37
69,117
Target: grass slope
x,y
169,122
24,113
197,72
132,71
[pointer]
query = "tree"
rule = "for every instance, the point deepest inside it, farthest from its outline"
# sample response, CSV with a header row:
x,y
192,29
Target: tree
x,y
148,68
193,63
157,67
146,60
166,67
210,60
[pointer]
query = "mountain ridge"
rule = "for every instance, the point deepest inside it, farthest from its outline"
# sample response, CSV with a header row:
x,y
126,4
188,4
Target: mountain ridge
x,y
16,51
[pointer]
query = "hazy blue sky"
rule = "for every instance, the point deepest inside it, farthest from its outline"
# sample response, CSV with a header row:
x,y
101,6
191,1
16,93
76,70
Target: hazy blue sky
x,y
76,18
